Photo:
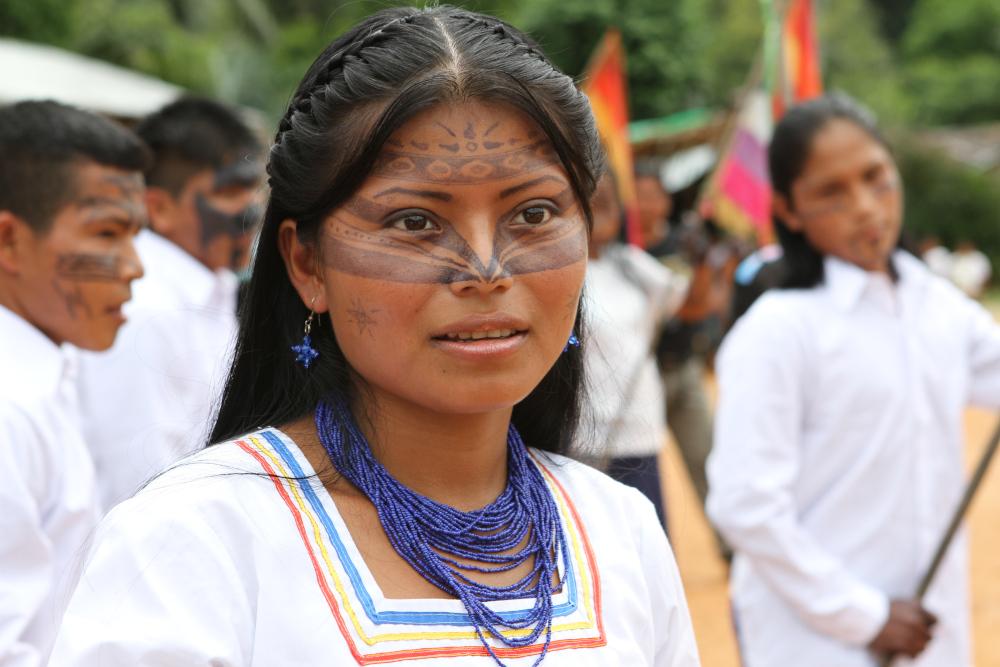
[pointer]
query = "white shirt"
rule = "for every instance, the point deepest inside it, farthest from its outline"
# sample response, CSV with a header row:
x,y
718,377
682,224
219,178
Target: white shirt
x,y
149,400
210,566
48,501
838,460
628,293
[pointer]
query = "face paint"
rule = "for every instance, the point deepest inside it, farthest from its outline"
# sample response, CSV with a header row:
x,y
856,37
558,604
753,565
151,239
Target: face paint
x,y
72,295
216,223
447,257
241,174
359,240
463,169
90,267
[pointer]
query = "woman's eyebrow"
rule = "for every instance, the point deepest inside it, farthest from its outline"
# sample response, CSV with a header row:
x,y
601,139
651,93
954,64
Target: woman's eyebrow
x,y
429,194
514,189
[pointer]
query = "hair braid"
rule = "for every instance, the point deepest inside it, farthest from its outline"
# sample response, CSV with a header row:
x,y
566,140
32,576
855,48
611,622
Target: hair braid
x,y
302,103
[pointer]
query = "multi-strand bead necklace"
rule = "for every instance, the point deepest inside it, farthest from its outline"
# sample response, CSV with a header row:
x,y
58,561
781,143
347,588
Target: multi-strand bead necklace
x,y
444,544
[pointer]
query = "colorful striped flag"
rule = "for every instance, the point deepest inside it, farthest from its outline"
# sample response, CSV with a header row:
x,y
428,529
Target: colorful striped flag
x,y
738,196
605,84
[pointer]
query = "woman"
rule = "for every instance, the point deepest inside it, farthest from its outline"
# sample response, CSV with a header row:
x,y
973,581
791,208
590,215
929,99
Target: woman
x,y
416,285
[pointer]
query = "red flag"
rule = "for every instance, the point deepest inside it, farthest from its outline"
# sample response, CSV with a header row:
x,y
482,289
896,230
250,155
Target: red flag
x,y
605,85
799,73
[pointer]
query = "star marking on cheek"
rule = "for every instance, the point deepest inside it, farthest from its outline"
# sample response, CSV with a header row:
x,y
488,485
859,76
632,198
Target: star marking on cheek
x,y
364,319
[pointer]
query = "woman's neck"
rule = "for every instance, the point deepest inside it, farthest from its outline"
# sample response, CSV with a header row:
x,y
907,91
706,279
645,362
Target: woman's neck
x,y
458,460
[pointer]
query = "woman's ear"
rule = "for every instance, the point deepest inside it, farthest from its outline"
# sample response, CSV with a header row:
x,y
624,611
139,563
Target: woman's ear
x,y
303,266
782,209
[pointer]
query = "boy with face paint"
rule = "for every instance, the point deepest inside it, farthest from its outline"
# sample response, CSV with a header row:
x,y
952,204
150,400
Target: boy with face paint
x,y
70,206
148,401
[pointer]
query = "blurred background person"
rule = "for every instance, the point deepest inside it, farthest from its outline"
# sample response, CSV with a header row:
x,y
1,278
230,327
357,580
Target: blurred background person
x,y
149,400
628,295
937,257
688,338
970,269
70,207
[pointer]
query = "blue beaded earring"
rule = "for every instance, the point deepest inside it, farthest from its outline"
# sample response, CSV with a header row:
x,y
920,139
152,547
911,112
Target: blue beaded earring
x,y
305,353
572,342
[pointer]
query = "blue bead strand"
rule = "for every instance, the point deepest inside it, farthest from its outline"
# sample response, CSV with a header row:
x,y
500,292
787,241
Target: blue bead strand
x,y
431,536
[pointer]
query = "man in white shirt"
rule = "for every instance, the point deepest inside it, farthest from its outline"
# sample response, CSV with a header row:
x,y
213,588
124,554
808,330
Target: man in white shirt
x,y
148,401
70,206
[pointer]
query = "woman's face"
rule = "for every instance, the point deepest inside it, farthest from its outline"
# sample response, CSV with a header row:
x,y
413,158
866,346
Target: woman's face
x,y
847,201
452,277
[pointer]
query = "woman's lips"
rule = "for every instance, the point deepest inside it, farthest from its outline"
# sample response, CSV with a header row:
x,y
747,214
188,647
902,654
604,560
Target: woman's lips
x,y
481,348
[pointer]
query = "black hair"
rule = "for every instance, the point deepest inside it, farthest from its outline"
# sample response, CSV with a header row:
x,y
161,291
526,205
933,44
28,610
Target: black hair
x,y
362,88
193,134
787,155
41,145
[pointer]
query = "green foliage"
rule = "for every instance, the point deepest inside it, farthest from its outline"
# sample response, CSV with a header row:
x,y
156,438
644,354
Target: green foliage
x,y
952,55
857,60
40,20
950,201
681,53
663,42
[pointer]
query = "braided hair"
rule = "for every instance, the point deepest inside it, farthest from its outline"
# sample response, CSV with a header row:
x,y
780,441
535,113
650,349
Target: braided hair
x,y
363,87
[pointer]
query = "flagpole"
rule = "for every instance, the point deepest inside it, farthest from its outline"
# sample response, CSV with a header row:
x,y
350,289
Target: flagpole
x,y
956,520
729,127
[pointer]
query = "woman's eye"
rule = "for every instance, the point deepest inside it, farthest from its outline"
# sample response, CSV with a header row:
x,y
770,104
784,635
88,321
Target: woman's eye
x,y
414,223
535,215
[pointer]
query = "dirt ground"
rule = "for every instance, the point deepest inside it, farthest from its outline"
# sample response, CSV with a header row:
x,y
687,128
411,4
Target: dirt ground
x,y
704,573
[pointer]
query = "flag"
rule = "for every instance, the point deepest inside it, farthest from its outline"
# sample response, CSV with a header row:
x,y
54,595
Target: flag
x,y
739,194
798,75
605,85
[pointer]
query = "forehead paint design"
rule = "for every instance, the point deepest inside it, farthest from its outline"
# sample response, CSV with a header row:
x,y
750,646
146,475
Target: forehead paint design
x,y
474,155
92,267
215,223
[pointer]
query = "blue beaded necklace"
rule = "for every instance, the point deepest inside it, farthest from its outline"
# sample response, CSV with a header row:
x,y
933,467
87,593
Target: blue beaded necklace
x,y
430,536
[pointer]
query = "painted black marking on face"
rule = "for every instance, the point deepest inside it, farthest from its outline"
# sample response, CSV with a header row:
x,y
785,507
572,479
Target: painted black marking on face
x,y
241,173
216,223
445,256
72,295
92,267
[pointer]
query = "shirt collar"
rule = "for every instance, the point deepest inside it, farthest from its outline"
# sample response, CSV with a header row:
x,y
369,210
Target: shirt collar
x,y
846,283
31,364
